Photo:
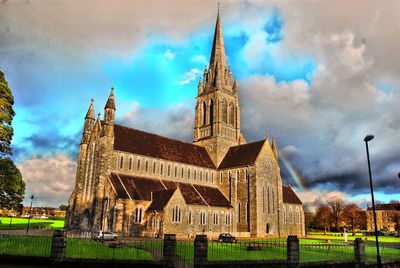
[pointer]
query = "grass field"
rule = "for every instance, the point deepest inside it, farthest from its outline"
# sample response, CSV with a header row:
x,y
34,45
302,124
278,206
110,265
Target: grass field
x,y
335,237
21,223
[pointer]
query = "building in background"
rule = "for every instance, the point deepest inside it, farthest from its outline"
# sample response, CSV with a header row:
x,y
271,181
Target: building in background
x,y
143,184
387,216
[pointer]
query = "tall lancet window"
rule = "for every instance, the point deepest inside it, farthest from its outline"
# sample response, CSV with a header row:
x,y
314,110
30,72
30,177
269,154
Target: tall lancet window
x,y
211,112
231,114
224,111
204,113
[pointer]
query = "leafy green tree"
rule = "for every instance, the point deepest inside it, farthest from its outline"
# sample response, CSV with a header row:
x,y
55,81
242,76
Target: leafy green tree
x,y
12,187
63,207
6,116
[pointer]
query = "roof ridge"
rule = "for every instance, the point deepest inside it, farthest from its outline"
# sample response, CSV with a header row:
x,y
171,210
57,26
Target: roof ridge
x,y
158,135
249,143
123,185
199,194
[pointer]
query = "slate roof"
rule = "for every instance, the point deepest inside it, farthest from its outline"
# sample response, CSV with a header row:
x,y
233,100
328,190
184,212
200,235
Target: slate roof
x,y
241,155
160,199
289,196
141,188
148,144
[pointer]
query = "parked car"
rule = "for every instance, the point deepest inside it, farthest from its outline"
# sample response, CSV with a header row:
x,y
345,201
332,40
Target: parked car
x,y
104,236
226,238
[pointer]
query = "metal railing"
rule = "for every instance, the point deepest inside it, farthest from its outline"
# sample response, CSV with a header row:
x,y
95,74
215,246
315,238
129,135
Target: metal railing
x,y
317,252
272,249
25,245
388,251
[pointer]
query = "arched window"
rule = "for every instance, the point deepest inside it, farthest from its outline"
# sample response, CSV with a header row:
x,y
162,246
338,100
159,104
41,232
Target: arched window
x,y
203,218
273,200
130,163
201,175
194,177
263,199
147,166
238,175
212,177
182,171
224,111
138,164
188,173
290,218
204,113
138,214
154,167
220,177
176,213
121,161
211,111
161,168
284,216
245,213
268,228
238,212
176,171
168,170
207,176
228,219
190,217
216,218
231,114
297,216
269,200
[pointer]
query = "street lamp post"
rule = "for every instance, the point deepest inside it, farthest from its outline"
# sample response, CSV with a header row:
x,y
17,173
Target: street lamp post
x,y
378,256
30,214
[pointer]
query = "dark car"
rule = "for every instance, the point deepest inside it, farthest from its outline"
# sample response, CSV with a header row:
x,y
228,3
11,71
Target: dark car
x,y
226,238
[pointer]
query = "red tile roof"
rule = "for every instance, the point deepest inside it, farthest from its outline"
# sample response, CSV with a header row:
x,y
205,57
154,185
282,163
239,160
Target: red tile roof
x,y
140,188
241,155
289,196
160,199
147,144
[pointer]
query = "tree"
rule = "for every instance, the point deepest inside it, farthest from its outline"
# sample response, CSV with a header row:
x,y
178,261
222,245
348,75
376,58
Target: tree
x,y
6,116
323,217
336,204
12,187
63,207
351,216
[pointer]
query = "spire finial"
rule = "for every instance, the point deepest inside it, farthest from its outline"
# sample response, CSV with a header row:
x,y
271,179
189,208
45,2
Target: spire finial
x,y
98,116
219,5
112,89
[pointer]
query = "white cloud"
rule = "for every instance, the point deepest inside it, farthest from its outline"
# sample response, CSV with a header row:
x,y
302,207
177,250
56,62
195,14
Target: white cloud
x,y
50,179
189,76
169,54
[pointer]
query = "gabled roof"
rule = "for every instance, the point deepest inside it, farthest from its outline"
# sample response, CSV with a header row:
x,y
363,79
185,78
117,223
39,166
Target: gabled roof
x,y
141,188
160,199
242,155
147,144
289,196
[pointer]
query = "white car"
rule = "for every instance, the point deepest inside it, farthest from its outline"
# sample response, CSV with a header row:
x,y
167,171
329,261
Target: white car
x,y
104,236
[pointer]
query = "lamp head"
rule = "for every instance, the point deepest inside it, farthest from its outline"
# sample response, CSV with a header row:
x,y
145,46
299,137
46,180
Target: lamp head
x,y
398,175
368,138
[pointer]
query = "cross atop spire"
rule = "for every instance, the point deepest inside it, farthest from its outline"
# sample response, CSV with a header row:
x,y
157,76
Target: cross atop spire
x,y
218,49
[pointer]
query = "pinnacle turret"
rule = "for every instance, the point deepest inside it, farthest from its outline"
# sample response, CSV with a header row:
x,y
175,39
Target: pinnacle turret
x,y
90,112
110,102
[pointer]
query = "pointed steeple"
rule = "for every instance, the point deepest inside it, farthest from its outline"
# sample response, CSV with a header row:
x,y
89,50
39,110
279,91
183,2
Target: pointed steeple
x,y
90,112
218,49
274,148
110,102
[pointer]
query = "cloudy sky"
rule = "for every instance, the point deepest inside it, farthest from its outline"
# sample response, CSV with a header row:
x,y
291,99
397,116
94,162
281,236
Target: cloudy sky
x,y
318,75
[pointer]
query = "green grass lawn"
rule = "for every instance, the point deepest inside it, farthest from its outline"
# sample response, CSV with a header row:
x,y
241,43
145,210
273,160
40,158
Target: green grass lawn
x,y
21,223
331,237
26,245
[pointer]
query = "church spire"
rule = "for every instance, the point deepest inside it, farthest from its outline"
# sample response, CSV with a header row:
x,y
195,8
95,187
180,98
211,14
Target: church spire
x,y
110,102
218,49
90,112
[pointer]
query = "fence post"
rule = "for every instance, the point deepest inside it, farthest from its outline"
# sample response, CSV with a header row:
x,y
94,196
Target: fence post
x,y
200,251
58,245
293,250
169,250
359,250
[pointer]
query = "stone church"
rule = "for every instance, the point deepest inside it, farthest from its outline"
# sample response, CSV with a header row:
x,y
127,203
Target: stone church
x,y
142,184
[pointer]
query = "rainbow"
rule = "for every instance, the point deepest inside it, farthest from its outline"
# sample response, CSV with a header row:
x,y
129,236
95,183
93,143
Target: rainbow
x,y
293,173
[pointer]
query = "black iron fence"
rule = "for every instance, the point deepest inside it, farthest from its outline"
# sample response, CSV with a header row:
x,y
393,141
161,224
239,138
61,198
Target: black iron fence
x,y
189,253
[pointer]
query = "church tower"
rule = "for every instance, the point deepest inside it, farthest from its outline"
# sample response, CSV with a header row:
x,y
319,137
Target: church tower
x,y
217,117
